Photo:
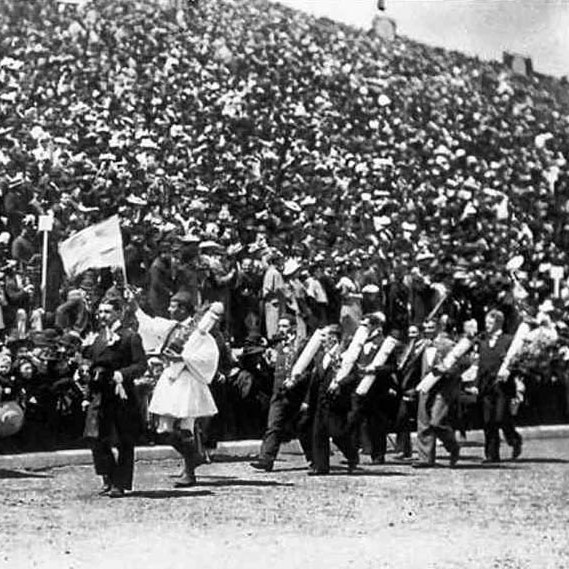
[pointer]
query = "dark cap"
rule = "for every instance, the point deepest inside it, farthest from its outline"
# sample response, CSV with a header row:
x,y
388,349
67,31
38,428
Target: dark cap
x,y
184,299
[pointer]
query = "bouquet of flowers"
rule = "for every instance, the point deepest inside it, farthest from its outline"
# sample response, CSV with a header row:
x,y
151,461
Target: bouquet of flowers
x,y
537,358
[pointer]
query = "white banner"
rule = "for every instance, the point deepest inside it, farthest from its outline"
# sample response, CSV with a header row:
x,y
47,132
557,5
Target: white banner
x,y
95,247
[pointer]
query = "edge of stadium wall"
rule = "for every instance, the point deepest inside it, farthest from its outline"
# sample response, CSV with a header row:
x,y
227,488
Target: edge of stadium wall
x,y
225,451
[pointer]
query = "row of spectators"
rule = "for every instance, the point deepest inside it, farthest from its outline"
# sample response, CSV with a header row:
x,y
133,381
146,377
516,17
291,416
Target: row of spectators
x,y
274,162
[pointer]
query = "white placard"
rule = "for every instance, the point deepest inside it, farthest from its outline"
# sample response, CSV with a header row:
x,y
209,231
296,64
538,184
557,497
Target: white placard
x,y
557,272
45,223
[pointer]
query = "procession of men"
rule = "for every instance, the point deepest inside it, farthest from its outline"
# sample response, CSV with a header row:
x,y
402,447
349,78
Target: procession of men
x,y
350,389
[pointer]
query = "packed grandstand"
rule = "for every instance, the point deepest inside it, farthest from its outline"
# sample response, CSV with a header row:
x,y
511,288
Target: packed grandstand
x,y
229,134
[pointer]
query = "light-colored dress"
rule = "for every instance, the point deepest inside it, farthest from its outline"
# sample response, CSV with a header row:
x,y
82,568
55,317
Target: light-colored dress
x,y
351,309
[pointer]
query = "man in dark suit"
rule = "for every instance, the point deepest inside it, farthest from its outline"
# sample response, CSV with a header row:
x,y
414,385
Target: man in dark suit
x,y
113,417
326,413
409,375
287,400
373,406
496,388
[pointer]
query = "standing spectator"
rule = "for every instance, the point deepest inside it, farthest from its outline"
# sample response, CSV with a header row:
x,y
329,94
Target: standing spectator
x,y
137,264
397,301
295,297
246,302
161,281
19,295
23,247
351,311
219,280
273,286
316,298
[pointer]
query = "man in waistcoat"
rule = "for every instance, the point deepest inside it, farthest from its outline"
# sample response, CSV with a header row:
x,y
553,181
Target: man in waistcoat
x,y
287,398
496,388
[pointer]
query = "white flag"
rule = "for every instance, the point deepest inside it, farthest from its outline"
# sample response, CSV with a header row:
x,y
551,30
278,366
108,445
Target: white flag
x,y
95,247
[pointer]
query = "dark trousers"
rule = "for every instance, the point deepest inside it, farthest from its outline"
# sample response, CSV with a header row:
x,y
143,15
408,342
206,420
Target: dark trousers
x,y
119,470
369,410
433,421
325,421
284,415
497,415
406,411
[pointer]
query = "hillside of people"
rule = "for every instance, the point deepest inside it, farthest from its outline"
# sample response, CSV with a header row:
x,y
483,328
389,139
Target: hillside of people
x,y
234,136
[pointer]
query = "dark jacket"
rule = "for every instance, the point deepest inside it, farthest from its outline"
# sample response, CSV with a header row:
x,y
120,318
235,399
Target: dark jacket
x,y
490,361
110,417
161,286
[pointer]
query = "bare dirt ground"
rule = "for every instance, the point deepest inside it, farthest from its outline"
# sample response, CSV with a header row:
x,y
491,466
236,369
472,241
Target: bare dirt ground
x,y
511,516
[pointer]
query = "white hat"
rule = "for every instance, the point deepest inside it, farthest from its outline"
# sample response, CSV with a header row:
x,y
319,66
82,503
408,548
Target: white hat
x,y
546,306
515,263
292,206
425,256
135,200
290,267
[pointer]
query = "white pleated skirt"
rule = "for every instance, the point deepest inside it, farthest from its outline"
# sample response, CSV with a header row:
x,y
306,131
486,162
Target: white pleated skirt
x,y
180,395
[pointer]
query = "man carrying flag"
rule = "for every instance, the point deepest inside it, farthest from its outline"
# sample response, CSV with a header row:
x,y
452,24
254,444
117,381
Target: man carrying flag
x,y
182,393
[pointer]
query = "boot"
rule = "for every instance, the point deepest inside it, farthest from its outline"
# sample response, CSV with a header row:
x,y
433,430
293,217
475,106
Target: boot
x,y
186,446
106,487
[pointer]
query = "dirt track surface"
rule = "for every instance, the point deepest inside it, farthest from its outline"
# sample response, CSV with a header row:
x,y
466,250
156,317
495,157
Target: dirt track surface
x,y
511,516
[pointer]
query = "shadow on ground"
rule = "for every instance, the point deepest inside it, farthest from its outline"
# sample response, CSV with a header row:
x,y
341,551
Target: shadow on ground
x,y
480,466
5,474
541,461
364,472
163,494
292,469
226,481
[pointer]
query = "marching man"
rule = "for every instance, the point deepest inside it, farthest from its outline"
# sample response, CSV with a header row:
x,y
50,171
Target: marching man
x,y
113,419
287,400
182,393
438,393
496,388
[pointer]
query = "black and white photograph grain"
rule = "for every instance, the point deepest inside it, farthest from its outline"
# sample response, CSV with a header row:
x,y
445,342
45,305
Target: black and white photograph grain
x,y
284,284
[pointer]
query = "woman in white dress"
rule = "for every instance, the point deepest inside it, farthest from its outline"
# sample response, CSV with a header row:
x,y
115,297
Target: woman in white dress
x,y
351,309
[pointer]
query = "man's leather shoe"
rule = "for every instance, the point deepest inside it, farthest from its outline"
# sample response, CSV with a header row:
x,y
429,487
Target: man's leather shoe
x,y
106,487
260,465
517,449
186,481
116,492
378,460
491,461
420,464
454,456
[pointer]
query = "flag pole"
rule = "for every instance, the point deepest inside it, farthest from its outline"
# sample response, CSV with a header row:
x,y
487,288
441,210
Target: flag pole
x,y
44,270
45,225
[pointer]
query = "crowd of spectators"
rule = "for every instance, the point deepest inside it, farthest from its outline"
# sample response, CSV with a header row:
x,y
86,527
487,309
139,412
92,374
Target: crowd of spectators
x,y
272,161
